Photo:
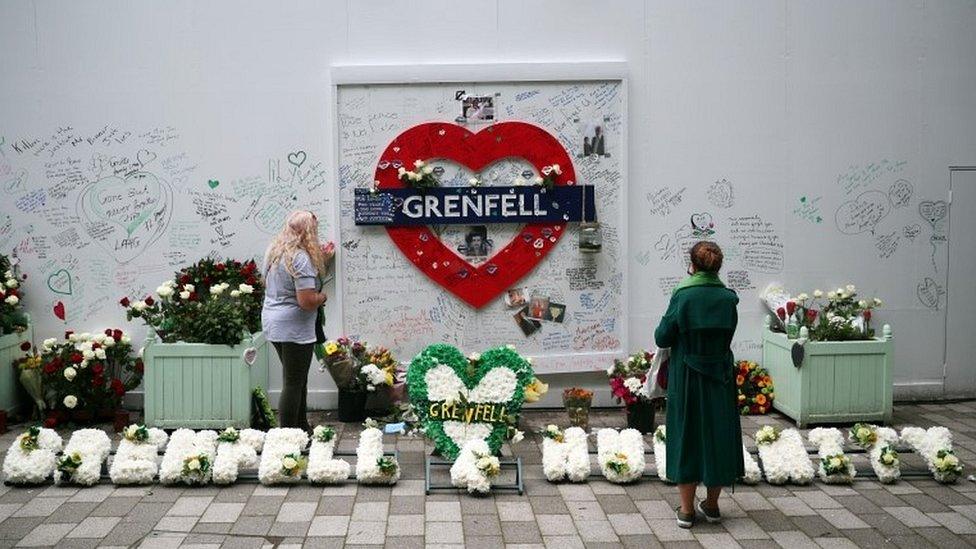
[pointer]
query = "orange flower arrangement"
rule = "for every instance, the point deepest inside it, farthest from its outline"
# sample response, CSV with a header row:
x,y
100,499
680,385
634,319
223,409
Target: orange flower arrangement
x,y
755,388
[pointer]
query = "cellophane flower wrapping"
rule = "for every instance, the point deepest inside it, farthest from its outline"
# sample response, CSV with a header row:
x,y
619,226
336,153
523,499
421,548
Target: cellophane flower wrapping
x,y
94,446
278,443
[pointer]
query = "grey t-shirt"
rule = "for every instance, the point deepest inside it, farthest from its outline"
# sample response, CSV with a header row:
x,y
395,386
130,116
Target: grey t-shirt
x,y
281,318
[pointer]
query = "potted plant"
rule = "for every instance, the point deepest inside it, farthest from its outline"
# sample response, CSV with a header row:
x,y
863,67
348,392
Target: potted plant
x,y
834,369
626,385
205,352
15,333
578,402
85,376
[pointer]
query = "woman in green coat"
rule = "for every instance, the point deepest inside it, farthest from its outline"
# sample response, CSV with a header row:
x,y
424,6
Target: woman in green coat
x,y
704,438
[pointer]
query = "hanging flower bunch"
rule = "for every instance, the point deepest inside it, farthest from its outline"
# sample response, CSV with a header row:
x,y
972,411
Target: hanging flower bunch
x,y
421,177
565,454
135,458
620,454
323,468
211,301
31,459
755,388
12,317
81,462
627,377
835,465
89,372
935,446
836,315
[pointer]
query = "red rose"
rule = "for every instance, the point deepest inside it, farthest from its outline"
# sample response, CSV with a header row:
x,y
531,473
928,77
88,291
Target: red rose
x,y
867,315
117,387
96,346
51,422
185,279
781,313
251,281
207,280
139,366
25,346
220,266
124,302
193,296
76,358
811,315
790,307
50,368
150,301
2,295
117,335
68,333
236,263
98,368
57,362
98,381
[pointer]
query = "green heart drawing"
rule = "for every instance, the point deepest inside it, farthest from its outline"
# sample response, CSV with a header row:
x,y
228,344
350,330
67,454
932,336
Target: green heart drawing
x,y
213,183
59,282
458,399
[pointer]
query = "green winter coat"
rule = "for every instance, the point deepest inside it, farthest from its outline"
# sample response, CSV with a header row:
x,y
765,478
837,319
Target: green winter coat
x,y
704,438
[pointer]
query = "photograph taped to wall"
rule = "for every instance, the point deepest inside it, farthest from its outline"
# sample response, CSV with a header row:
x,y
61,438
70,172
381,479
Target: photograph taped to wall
x,y
477,109
594,137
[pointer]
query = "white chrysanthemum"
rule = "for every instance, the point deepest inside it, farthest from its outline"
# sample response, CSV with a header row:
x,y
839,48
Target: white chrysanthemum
x,y
625,447
465,472
661,452
93,445
232,456
36,466
752,472
322,467
928,443
184,444
368,453
830,444
786,459
568,459
134,462
277,444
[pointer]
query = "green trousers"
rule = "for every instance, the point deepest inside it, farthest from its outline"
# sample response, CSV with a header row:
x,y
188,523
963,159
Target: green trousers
x,y
295,360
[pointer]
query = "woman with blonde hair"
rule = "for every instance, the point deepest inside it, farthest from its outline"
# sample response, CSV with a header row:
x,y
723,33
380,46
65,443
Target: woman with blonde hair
x,y
293,265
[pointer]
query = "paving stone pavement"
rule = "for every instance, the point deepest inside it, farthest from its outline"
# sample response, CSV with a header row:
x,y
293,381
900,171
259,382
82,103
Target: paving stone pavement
x,y
915,513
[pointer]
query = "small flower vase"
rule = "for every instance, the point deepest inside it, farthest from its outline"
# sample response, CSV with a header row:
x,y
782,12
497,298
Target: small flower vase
x,y
579,416
640,416
352,406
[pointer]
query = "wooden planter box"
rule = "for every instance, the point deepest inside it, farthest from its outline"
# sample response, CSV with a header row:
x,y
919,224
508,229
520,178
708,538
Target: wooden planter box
x,y
837,382
11,397
201,386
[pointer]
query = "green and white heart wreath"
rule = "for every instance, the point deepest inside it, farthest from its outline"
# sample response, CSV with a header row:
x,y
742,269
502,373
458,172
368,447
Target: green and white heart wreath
x,y
459,399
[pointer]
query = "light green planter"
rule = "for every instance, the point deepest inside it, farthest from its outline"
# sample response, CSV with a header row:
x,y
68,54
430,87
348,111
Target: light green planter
x,y
10,391
200,386
837,382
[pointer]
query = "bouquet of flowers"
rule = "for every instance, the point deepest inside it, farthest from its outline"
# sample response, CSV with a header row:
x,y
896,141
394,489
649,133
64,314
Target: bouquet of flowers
x,y
355,367
211,301
755,388
837,315
29,368
627,377
89,372
12,317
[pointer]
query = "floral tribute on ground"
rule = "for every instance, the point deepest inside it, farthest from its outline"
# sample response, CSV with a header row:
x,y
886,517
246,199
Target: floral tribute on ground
x,y
211,301
372,467
475,468
282,461
935,446
32,458
135,458
323,468
236,449
459,399
835,466
880,444
565,454
661,452
783,456
189,457
753,473
81,462
621,454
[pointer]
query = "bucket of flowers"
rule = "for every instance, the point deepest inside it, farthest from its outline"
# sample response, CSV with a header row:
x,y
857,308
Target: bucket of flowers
x,y
627,378
358,371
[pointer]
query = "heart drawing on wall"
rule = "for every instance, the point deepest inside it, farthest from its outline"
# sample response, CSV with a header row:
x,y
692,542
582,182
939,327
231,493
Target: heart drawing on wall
x,y
476,285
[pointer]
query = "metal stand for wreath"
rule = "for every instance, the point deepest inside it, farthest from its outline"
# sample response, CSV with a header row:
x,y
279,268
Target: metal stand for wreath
x,y
506,463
